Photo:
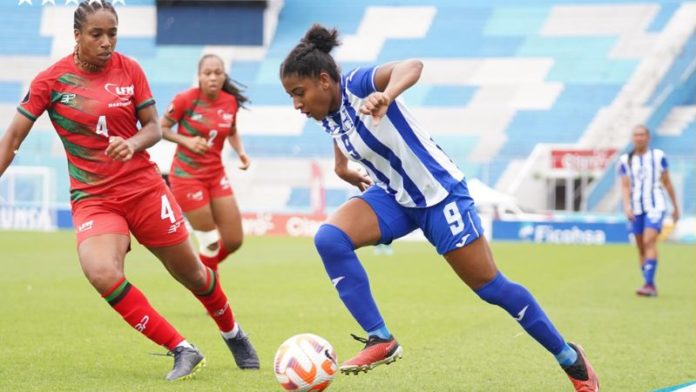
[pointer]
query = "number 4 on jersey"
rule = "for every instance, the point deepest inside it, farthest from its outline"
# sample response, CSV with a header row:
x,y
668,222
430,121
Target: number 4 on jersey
x,y
101,127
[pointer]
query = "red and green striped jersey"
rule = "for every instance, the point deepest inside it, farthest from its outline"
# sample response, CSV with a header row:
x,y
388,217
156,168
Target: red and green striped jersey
x,y
213,120
88,108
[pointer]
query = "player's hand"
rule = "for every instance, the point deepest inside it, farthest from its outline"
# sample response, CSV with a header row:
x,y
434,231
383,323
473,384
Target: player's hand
x,y
120,149
360,180
629,213
376,105
245,162
675,215
197,144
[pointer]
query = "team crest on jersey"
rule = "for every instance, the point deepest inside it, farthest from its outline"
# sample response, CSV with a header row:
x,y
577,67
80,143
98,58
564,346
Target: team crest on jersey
x,y
227,118
345,126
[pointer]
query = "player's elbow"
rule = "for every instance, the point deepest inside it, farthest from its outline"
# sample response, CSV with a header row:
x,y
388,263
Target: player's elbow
x,y
416,67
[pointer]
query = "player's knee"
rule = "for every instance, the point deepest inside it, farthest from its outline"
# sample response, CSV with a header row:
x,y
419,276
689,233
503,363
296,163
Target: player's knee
x,y
193,278
102,277
330,241
232,245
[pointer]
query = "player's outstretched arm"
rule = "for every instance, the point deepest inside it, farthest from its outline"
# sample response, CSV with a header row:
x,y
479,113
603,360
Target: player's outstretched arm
x,y
353,177
12,138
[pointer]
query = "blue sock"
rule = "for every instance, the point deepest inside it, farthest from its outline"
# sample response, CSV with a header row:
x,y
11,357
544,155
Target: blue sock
x,y
567,356
649,269
380,332
348,277
522,306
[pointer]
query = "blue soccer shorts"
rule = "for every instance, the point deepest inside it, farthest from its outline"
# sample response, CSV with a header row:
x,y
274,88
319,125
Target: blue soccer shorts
x,y
448,225
651,220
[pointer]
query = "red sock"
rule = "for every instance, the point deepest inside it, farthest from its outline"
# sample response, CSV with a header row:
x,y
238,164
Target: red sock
x,y
210,262
214,299
132,305
222,252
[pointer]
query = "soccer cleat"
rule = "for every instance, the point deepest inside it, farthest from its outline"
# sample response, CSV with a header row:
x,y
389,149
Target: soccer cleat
x,y
377,351
648,290
243,352
581,374
187,362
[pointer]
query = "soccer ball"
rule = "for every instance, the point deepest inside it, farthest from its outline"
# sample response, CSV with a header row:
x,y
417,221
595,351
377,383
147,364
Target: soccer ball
x,y
305,362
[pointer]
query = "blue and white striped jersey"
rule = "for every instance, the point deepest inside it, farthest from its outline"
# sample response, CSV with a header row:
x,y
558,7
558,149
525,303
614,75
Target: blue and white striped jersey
x,y
397,154
644,173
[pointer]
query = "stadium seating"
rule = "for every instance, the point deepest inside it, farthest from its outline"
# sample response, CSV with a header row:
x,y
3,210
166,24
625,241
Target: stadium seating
x,y
499,77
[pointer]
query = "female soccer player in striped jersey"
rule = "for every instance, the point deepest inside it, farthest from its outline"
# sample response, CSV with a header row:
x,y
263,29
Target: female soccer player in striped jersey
x,y
95,97
207,116
643,173
411,184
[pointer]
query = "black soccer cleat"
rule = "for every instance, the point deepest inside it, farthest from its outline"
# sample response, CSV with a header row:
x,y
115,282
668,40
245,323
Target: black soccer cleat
x,y
243,352
187,362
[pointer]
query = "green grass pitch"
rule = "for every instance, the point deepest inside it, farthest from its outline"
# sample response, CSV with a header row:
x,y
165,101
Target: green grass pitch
x,y
57,334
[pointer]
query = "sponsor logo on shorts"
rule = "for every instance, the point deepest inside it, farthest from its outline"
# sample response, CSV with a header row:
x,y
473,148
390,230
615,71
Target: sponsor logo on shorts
x,y
195,195
85,226
224,182
174,227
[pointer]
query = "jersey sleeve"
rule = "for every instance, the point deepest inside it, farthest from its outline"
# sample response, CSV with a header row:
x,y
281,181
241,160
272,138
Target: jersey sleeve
x,y
142,93
175,111
361,81
621,168
37,99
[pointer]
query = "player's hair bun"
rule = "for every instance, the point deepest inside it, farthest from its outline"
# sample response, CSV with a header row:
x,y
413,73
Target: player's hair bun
x,y
322,38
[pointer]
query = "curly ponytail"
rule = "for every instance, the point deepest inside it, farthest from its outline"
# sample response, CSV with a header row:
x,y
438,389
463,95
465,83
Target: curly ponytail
x,y
312,55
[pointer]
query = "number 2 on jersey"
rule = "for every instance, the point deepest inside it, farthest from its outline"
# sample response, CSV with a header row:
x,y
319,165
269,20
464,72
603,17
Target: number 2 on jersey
x,y
454,218
101,127
211,137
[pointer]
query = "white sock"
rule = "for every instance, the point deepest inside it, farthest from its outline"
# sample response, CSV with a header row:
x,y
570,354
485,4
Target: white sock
x,y
184,343
231,334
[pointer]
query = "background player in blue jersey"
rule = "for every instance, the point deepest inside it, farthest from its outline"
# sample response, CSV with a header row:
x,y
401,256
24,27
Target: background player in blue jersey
x,y
643,173
410,183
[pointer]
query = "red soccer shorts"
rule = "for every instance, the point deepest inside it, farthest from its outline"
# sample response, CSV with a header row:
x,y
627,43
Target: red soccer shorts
x,y
193,193
151,214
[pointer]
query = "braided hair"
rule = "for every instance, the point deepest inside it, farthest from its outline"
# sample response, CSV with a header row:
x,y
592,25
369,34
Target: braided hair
x,y
89,7
311,56
229,86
